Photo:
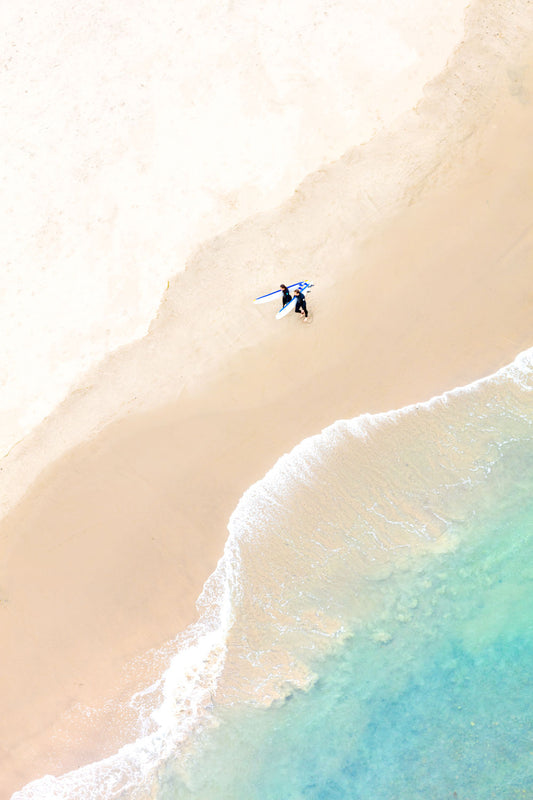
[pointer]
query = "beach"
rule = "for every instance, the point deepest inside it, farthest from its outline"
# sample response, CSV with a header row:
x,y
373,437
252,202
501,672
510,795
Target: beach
x,y
112,540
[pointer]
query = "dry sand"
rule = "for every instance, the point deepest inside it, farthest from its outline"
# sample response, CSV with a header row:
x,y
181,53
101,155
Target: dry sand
x,y
108,550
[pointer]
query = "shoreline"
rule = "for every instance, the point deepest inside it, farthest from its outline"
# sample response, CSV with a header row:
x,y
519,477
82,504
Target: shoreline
x,y
93,548
313,234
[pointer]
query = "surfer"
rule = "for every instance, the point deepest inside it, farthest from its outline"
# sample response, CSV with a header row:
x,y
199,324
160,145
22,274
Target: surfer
x,y
286,295
301,305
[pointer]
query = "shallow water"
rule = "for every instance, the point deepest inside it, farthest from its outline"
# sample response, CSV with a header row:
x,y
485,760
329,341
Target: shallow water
x,y
431,699
378,645
367,633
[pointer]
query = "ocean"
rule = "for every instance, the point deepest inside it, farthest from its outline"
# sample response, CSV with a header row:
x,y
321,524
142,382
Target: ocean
x,y
430,697
368,631
193,171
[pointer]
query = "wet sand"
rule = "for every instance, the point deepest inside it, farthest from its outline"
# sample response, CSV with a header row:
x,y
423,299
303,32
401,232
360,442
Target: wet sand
x,y
108,550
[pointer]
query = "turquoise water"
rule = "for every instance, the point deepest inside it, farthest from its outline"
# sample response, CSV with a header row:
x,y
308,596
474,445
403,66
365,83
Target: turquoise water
x,y
432,699
368,632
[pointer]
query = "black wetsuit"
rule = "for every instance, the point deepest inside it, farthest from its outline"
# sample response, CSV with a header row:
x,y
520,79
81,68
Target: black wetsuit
x,y
300,304
286,297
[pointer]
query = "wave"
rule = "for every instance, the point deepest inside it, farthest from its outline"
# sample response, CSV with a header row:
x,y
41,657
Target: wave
x,y
398,164
346,508
312,548
311,545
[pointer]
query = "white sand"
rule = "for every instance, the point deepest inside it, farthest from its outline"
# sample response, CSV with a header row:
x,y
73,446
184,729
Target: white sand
x,y
131,137
106,554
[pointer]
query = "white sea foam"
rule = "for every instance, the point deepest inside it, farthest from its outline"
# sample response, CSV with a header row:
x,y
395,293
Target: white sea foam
x,y
130,136
255,617
184,346
198,671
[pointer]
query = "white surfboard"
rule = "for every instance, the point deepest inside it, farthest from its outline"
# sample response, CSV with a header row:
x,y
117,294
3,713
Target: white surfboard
x,y
304,288
266,298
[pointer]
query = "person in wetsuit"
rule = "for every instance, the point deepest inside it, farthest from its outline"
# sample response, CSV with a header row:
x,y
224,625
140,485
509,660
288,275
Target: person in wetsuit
x,y
286,295
301,305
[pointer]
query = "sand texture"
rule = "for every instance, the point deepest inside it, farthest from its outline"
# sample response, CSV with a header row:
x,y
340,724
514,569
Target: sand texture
x,y
106,553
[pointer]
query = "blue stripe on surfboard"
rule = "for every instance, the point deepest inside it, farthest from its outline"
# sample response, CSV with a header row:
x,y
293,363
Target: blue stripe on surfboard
x,y
304,287
265,298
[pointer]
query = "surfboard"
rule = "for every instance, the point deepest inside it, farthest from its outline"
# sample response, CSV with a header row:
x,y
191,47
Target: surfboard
x,y
304,287
266,298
